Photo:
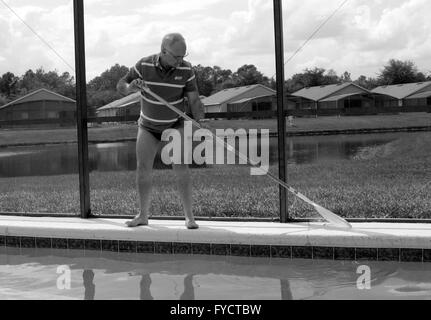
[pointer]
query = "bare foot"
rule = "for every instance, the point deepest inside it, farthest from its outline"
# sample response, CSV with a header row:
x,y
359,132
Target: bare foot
x,y
192,225
137,221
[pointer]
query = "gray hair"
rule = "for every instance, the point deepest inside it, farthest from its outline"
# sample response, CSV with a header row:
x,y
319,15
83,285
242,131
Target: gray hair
x,y
171,39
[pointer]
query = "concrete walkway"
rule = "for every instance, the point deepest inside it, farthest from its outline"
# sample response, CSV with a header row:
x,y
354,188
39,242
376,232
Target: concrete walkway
x,y
362,235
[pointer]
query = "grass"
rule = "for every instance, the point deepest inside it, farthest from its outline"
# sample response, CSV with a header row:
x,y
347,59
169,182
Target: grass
x,y
128,131
390,181
334,123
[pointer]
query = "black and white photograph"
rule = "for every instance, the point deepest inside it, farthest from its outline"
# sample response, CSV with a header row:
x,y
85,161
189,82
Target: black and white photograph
x,y
215,155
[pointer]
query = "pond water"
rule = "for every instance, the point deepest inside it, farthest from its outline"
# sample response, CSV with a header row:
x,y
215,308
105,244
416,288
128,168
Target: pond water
x,y
63,159
46,274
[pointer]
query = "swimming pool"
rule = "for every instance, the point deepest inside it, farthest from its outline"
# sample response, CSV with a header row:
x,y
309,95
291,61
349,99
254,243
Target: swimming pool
x,y
75,274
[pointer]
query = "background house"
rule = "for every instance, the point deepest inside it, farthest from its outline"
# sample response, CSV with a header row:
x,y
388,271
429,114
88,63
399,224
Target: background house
x,y
129,105
404,95
37,105
336,96
242,99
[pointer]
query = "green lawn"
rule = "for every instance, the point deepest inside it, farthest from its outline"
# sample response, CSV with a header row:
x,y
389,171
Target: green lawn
x,y
391,181
128,131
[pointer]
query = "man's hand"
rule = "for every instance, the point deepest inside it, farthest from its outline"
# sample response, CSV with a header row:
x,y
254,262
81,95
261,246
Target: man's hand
x,y
136,85
127,88
205,125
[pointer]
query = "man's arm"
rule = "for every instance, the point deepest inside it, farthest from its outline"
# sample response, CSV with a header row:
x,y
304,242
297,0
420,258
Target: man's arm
x,y
131,82
196,105
126,88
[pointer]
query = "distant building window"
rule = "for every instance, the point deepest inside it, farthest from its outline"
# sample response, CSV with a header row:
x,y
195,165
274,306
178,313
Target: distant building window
x,y
264,106
354,103
52,115
24,115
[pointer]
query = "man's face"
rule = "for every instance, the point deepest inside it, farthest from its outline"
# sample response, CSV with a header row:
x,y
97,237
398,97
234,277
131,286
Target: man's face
x,y
173,55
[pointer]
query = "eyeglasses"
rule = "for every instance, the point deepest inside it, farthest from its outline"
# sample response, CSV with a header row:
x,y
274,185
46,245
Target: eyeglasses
x,y
178,58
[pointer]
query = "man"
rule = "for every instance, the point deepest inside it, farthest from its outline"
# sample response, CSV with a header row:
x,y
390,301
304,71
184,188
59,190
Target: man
x,y
172,78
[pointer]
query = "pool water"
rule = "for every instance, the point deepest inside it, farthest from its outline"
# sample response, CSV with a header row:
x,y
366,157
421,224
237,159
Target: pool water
x,y
60,274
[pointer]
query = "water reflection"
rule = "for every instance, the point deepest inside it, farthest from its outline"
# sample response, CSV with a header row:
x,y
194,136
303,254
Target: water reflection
x,y
311,287
146,282
189,290
26,273
286,293
63,159
144,285
90,287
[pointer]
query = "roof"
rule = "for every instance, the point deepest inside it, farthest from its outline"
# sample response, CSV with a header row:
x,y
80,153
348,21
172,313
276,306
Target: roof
x,y
338,97
421,95
39,95
127,100
320,92
249,99
401,91
227,95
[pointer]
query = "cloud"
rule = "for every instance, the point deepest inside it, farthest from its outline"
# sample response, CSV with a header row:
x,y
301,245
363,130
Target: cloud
x,y
175,8
5,34
363,36
24,48
360,38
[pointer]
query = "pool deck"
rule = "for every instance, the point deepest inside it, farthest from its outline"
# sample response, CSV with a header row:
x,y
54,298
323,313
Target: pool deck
x,y
372,241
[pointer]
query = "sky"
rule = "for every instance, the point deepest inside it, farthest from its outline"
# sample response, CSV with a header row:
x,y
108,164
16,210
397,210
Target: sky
x,y
360,38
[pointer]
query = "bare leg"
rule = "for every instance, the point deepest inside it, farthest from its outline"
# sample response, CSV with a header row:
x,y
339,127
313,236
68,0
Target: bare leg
x,y
184,184
146,148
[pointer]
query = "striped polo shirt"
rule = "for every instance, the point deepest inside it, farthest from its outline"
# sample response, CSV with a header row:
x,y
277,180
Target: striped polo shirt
x,y
171,85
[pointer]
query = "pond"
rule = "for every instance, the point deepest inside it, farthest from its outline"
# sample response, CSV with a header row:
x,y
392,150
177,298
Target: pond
x,y
63,159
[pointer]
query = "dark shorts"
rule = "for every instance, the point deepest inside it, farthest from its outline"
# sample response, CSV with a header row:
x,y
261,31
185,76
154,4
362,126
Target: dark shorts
x,y
156,132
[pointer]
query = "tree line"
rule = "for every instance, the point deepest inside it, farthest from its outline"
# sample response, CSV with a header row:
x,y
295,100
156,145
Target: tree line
x,y
102,89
